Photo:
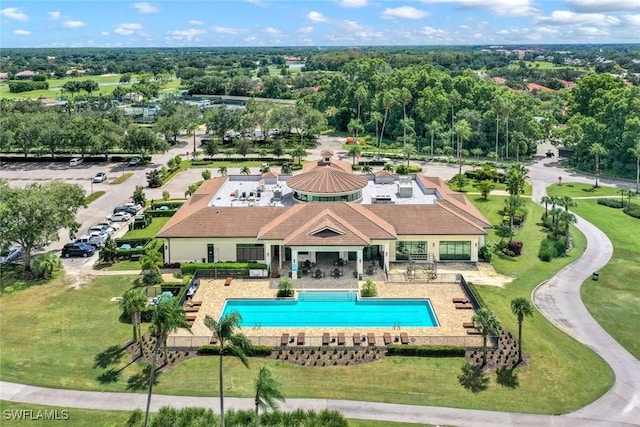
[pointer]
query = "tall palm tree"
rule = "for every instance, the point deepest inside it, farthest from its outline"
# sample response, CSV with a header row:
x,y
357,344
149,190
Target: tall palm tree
x,y
268,391
405,99
389,99
516,179
546,199
521,307
409,150
513,204
361,94
222,171
245,170
299,152
133,302
462,130
167,317
635,151
376,117
564,220
598,150
487,323
354,151
150,264
434,129
231,342
566,202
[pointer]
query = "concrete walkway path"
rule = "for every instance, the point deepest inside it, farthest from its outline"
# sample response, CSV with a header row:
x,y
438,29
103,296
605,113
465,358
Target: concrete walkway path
x,y
558,299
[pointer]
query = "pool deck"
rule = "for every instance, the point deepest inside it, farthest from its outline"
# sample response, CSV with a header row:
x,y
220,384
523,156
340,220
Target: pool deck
x,y
213,294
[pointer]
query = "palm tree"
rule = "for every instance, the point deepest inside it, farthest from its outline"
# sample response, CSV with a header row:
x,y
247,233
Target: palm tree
x,y
46,264
133,302
462,130
565,219
376,118
597,150
299,152
389,99
487,323
546,199
521,307
222,171
245,170
231,342
388,167
150,264
366,169
354,151
566,202
513,204
167,317
405,99
433,128
268,391
409,150
516,179
635,151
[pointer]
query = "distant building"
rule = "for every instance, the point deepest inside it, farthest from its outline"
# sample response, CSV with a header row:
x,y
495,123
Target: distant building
x,y
535,86
4,76
500,80
25,75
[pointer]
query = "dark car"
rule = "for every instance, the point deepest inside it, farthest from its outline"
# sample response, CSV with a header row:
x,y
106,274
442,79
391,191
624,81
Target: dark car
x,y
132,210
11,255
77,249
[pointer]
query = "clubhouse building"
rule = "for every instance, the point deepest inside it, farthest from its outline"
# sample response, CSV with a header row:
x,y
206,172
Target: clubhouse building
x,y
326,211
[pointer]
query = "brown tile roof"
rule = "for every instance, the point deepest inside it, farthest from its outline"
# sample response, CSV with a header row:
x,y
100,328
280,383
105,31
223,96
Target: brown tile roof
x,y
327,180
383,174
301,222
340,164
425,219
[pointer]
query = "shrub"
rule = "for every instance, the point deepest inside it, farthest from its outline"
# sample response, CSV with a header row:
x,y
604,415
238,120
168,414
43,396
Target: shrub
x,y
414,169
632,210
191,267
425,350
515,246
369,289
356,167
285,288
612,203
551,248
485,253
402,170
256,350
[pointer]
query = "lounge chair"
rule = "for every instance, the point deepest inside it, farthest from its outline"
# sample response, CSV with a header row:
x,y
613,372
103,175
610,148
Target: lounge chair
x,y
404,338
326,338
464,306
214,339
341,339
473,331
191,318
284,340
371,337
356,338
191,309
462,300
228,281
196,303
300,340
387,338
467,325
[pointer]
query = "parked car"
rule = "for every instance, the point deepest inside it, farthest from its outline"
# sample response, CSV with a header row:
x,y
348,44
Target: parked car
x,y
110,224
120,216
75,161
102,229
131,210
10,255
96,240
135,161
77,249
135,206
100,177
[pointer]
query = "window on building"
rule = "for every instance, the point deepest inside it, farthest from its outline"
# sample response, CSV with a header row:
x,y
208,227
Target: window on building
x,y
249,252
403,249
460,251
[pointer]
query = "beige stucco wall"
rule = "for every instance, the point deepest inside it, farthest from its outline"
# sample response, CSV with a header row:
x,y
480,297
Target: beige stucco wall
x,y
433,243
195,249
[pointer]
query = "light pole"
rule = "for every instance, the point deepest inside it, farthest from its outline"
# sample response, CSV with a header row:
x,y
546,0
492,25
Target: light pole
x,y
91,181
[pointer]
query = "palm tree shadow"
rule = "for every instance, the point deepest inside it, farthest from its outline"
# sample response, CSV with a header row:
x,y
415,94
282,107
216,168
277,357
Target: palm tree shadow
x,y
507,377
110,376
140,381
473,379
108,357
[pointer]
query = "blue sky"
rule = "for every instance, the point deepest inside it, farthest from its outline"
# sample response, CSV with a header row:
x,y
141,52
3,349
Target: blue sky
x,y
174,23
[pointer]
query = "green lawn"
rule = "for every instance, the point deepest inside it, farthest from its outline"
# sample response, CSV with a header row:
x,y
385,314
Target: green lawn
x,y
101,418
574,189
149,232
93,196
614,299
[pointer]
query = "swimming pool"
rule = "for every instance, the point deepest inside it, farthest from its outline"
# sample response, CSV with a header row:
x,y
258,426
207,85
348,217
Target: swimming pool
x,y
333,309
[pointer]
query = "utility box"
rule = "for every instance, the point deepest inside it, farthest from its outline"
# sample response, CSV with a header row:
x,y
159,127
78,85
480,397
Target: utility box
x,y
596,275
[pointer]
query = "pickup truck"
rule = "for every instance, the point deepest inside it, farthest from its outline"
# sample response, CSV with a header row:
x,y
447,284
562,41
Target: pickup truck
x,y
95,240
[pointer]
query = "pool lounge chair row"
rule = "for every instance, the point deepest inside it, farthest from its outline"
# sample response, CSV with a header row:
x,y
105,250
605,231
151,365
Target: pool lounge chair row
x,y
340,340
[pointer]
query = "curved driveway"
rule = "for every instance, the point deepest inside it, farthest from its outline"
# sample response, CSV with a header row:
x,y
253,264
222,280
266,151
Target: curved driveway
x,y
558,299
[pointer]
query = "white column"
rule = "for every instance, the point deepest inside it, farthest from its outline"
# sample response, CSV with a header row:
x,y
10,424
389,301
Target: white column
x,y
294,263
385,249
359,261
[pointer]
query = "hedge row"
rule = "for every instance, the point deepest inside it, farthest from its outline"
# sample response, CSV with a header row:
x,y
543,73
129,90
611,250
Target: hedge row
x,y
156,205
191,267
612,203
632,210
425,350
161,213
256,350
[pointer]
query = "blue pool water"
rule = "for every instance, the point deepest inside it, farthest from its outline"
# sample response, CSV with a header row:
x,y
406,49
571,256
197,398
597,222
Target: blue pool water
x,y
333,309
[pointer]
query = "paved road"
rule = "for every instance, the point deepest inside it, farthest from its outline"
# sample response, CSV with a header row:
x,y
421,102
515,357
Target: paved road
x,y
558,299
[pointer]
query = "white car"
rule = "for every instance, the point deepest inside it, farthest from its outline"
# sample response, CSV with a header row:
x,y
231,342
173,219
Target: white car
x,y
75,161
109,224
119,217
102,229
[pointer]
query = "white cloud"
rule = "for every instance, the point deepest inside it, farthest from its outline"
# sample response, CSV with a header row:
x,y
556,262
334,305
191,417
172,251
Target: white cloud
x,y
404,12
586,6
14,13
316,17
127,29
633,20
22,32
188,34
71,25
146,8
499,7
104,33
565,17
272,31
306,30
54,16
227,30
195,22
430,31
353,3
